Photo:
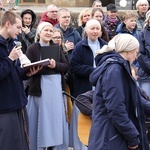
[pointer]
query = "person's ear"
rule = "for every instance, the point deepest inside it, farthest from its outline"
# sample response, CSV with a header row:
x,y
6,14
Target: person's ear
x,y
7,24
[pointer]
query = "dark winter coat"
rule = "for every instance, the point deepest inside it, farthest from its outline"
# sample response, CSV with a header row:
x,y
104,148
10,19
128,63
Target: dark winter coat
x,y
34,54
80,29
144,56
82,66
70,35
118,117
12,95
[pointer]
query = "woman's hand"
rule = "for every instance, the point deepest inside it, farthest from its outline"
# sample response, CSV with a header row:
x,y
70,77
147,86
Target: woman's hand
x,y
69,45
33,70
52,63
133,147
25,29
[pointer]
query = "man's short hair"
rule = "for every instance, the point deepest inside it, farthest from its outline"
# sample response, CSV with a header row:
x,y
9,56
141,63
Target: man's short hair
x,y
62,10
96,1
8,16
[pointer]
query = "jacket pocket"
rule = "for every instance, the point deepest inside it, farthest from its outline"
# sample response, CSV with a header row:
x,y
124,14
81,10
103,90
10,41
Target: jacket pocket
x,y
117,142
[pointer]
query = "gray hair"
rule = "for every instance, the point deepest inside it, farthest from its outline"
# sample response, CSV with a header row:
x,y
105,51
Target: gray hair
x,y
139,2
50,6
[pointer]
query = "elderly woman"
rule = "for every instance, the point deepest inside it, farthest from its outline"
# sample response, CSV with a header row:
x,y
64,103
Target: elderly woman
x,y
142,7
118,116
82,65
82,62
84,16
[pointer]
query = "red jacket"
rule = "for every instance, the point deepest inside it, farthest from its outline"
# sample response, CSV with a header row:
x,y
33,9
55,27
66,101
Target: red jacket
x,y
47,19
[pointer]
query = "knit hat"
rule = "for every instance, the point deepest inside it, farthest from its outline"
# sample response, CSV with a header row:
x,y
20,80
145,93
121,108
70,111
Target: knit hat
x,y
92,22
39,29
120,43
112,7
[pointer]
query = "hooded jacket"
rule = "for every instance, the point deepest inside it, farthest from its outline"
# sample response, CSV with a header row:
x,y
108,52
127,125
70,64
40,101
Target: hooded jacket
x,y
118,109
28,39
12,95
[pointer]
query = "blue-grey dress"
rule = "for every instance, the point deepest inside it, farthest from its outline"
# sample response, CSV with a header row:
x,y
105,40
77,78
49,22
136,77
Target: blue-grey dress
x,y
47,119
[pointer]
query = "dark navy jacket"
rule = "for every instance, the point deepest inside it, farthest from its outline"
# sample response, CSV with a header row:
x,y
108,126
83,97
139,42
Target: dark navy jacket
x,y
71,35
121,28
144,57
118,117
82,66
12,95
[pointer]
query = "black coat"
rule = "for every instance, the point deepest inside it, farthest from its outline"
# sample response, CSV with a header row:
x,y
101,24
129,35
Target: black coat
x,y
34,54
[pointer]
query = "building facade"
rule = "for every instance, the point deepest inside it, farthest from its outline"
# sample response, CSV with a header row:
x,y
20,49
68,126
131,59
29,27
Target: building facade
x,y
70,3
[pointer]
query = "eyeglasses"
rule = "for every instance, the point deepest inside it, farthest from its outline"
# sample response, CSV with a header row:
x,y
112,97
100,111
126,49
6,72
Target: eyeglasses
x,y
57,38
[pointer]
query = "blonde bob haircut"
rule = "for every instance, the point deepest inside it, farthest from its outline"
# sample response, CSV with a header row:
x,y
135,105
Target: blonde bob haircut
x,y
82,13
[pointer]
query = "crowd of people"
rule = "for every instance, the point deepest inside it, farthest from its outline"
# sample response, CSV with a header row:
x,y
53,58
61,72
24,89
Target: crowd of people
x,y
104,63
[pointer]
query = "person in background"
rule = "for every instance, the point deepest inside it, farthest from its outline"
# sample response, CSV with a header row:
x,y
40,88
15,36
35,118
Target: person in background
x,y
11,4
84,16
1,6
13,116
16,4
71,35
46,108
28,29
26,37
128,25
82,65
97,13
83,57
111,21
142,7
144,56
97,4
58,39
118,115
51,15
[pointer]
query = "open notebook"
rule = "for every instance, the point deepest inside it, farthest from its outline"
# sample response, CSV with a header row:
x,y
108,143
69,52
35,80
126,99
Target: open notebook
x,y
47,53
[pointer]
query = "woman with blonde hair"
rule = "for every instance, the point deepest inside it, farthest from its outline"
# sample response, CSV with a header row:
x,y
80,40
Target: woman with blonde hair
x,y
84,16
118,110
